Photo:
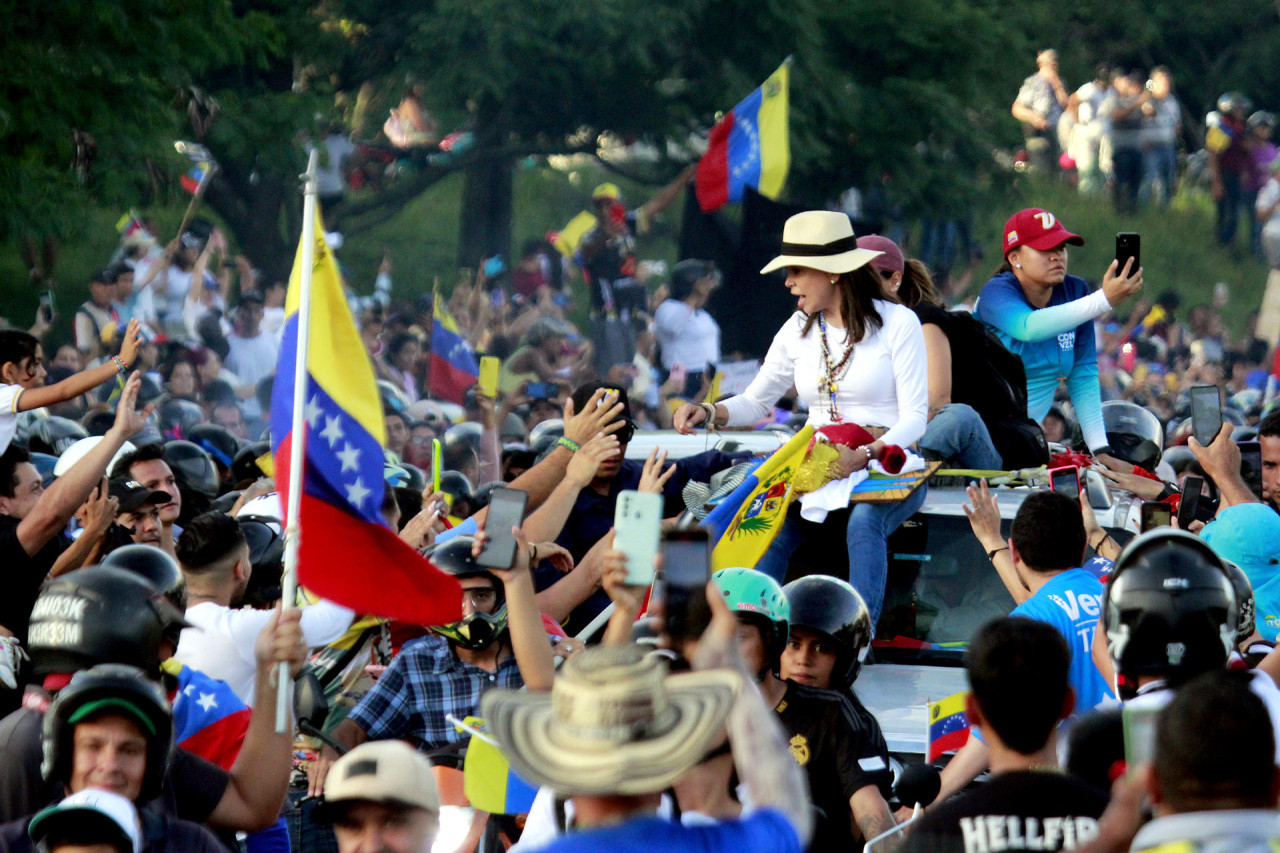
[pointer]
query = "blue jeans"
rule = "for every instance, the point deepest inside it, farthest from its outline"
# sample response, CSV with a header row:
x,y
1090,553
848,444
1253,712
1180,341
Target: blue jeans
x,y
958,434
1159,165
1126,163
1229,208
867,538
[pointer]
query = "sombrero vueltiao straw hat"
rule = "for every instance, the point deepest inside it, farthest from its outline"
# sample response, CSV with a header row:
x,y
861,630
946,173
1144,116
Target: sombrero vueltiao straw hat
x,y
821,240
614,723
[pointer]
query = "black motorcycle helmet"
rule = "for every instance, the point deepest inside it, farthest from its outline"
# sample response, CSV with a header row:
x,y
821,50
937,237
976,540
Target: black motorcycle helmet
x,y
266,555
176,418
1244,597
108,688
479,630
218,442
99,614
415,478
53,435
244,467
193,469
1134,434
832,607
480,499
1170,609
466,433
456,483
45,464
155,566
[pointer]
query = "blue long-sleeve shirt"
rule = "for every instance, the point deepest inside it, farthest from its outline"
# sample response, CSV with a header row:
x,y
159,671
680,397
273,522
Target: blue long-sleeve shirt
x,y
1056,343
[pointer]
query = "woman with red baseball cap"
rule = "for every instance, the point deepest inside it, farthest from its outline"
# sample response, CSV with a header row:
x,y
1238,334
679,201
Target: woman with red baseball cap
x,y
1046,317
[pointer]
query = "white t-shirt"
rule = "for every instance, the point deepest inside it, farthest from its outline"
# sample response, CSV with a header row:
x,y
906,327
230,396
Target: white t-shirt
x,y
688,337
9,395
1158,695
884,384
221,643
253,359
1268,196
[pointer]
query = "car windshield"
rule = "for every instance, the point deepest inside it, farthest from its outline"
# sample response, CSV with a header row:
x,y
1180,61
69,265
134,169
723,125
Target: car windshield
x,y
941,588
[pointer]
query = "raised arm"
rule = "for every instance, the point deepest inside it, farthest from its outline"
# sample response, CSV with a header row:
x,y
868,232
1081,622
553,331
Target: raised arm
x,y
528,638
84,381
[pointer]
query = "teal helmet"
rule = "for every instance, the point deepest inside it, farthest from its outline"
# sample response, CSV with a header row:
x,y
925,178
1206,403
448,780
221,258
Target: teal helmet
x,y
758,597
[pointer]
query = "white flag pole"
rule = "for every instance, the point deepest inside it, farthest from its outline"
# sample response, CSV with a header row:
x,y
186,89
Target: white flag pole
x,y
293,533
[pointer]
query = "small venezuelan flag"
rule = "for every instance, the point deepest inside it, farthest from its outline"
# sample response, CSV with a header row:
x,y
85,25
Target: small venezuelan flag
x,y
749,147
948,725
347,553
453,364
491,785
744,524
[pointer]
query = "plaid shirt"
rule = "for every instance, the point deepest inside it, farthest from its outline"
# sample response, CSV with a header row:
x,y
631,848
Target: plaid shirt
x,y
425,682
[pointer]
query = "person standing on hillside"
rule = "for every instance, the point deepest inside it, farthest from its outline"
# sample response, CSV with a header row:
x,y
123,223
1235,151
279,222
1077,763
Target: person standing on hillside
x,y
1039,105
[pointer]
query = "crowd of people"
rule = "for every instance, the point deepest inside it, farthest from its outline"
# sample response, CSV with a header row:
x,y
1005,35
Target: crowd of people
x,y
1123,132
144,539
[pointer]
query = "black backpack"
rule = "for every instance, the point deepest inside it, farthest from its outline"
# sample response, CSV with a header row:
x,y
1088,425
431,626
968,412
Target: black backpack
x,y
992,380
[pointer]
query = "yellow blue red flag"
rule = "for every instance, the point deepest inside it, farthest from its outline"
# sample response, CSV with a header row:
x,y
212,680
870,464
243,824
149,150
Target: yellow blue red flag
x,y
743,524
453,365
748,147
948,726
490,783
347,553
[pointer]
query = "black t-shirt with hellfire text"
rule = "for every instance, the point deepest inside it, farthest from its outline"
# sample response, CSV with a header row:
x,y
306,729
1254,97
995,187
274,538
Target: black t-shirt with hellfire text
x,y
841,748
1023,810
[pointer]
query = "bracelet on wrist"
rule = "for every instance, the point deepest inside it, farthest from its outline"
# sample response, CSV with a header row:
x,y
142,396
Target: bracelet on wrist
x,y
710,409
568,444
121,367
991,555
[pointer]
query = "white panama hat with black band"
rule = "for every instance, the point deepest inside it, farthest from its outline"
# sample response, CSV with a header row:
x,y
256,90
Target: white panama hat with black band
x,y
821,240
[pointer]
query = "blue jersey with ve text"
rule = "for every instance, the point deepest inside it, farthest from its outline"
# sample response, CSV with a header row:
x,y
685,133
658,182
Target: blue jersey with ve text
x,y
1071,603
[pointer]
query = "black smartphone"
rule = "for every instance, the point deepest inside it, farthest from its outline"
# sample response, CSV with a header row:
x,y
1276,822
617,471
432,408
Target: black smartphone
x,y
1156,514
506,510
1206,413
1251,466
1128,245
1189,505
46,306
1066,481
686,568
541,391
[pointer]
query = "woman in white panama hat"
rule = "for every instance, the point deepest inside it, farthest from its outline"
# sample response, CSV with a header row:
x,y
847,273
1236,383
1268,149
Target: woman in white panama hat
x,y
863,365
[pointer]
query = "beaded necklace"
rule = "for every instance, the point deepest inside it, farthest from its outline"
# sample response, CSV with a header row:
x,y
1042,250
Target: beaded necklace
x,y
831,373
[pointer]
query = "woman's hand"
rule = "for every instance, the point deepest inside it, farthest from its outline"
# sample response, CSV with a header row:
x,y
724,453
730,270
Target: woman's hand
x,y
687,417
983,512
1135,484
601,413
1114,464
129,349
587,459
653,478
1120,285
561,559
851,459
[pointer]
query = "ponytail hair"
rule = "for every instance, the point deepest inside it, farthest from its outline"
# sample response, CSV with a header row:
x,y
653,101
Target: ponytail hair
x,y
917,285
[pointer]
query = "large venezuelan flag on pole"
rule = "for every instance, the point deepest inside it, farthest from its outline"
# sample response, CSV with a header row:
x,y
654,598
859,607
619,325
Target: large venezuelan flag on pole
x,y
453,364
743,525
749,147
347,554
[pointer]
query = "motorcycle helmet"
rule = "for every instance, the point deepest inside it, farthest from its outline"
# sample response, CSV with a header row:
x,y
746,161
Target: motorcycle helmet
x,y
53,435
1261,118
265,536
1170,609
833,608
465,433
1234,104
192,467
476,631
244,467
153,565
393,399
99,614
218,442
108,688
1244,597
1135,435
176,418
758,598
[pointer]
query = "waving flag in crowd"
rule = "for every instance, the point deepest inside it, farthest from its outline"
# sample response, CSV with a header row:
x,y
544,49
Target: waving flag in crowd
x,y
744,524
453,364
208,717
347,554
749,147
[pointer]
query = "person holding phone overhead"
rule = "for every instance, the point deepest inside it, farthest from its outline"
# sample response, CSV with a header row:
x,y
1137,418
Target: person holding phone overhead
x,y
855,359
1046,317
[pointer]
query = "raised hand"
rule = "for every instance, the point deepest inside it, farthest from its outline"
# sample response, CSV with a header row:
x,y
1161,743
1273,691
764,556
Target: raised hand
x,y
653,478
586,461
602,413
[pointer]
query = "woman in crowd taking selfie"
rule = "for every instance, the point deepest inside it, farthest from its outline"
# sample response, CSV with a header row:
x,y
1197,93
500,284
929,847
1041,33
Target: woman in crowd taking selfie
x,y
1046,316
855,359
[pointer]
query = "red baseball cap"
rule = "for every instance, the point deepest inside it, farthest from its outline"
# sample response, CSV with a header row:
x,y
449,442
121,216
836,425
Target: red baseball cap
x,y
1038,229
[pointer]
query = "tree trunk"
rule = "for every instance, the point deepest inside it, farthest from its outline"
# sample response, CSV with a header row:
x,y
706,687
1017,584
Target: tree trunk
x,y
486,212
252,209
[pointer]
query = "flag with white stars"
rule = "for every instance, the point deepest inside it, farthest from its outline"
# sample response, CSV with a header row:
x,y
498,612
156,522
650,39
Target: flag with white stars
x,y
453,364
347,553
748,147
208,717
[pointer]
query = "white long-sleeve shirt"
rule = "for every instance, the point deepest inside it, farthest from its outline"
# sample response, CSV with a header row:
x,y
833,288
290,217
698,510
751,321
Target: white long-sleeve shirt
x,y
688,337
221,645
885,384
